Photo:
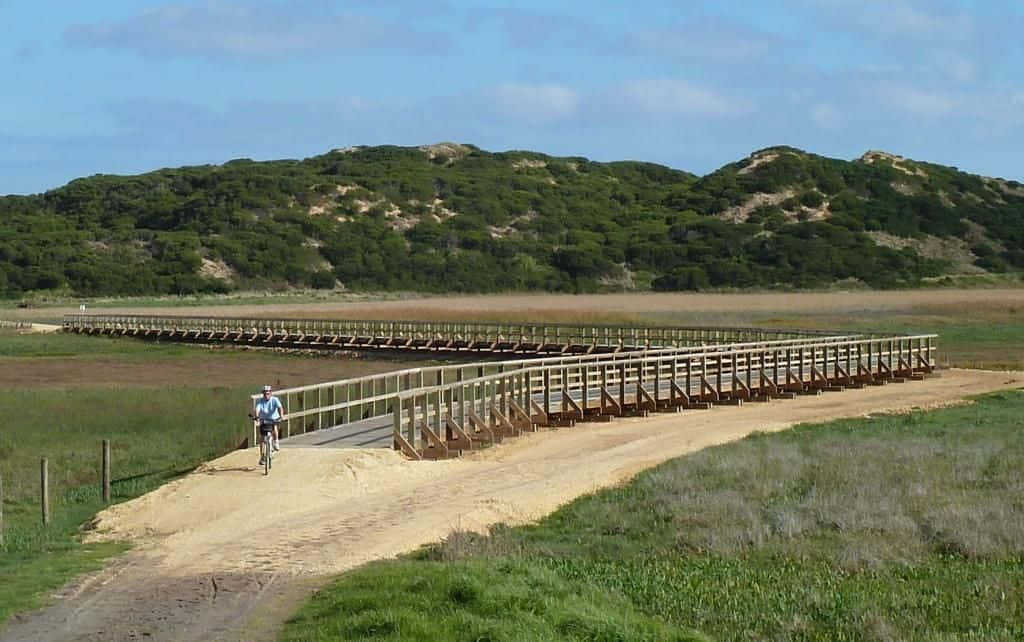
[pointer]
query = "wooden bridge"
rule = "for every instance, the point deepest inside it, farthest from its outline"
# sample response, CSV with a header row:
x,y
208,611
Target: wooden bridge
x,y
444,411
598,373
439,336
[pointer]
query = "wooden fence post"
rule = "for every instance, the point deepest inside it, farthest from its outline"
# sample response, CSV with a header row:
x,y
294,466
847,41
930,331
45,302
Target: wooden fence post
x,y
44,490
106,471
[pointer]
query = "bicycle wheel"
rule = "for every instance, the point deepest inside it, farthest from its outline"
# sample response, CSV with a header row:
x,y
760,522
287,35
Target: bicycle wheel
x,y
268,453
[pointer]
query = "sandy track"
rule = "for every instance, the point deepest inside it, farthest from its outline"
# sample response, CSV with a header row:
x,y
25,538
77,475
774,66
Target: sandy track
x,y
225,553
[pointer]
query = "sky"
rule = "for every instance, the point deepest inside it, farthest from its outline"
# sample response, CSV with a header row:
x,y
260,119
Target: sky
x,y
126,87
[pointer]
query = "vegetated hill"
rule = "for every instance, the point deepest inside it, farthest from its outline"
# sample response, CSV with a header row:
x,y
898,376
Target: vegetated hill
x,y
452,217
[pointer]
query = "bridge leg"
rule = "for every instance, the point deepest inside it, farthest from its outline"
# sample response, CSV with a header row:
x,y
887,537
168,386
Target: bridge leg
x,y
436,448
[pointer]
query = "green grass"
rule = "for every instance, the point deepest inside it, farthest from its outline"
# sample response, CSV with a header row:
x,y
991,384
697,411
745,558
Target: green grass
x,y
157,433
151,430
59,344
474,600
752,549
982,345
155,436
993,342
907,527
54,555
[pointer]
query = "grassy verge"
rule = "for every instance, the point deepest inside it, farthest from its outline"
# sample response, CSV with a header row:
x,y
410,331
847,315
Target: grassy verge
x,y
162,420
905,527
991,342
982,345
59,344
155,435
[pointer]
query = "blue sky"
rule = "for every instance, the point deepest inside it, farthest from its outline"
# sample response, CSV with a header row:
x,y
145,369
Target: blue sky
x,y
121,87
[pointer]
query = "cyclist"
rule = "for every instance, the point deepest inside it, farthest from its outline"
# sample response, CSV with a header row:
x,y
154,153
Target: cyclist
x,y
269,412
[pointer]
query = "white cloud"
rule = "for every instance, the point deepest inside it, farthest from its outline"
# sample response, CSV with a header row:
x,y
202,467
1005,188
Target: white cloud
x,y
675,97
999,111
918,102
245,31
990,110
535,103
533,29
904,19
705,41
957,67
826,116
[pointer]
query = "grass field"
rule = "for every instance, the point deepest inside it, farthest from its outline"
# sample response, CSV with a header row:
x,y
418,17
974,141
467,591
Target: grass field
x,y
979,328
66,393
70,392
904,527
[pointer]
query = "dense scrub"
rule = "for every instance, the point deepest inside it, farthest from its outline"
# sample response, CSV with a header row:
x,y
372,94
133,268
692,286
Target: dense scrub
x,y
457,218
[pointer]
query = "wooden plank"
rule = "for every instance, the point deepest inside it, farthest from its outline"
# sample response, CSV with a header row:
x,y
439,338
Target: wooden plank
x,y
609,405
767,382
400,443
644,399
481,429
569,407
520,417
502,422
818,380
744,391
677,396
436,447
538,415
462,440
706,387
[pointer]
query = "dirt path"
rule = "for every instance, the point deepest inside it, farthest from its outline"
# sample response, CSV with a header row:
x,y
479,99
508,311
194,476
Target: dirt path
x,y
225,553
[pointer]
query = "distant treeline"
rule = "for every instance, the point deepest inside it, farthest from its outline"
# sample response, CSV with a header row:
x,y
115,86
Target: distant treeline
x,y
456,218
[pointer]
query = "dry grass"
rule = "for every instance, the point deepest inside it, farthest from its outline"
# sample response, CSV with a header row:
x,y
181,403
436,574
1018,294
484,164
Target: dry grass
x,y
644,307
901,527
979,328
864,492
883,496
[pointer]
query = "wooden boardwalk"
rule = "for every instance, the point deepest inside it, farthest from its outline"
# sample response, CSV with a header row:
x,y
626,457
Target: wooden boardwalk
x,y
436,336
596,373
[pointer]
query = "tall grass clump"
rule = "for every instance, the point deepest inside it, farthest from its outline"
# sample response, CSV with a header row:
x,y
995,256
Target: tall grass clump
x,y
897,527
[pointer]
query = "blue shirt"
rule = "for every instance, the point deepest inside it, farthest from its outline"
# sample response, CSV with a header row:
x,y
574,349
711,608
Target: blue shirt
x,y
269,410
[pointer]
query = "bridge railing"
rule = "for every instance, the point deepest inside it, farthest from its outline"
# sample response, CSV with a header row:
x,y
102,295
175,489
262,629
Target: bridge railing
x,y
431,421
335,403
619,368
435,334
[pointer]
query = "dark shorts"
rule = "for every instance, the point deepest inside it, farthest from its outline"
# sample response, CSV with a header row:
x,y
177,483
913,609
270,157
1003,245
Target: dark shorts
x,y
265,428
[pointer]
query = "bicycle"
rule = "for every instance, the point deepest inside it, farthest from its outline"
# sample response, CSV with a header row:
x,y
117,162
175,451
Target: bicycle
x,y
266,444
267,450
